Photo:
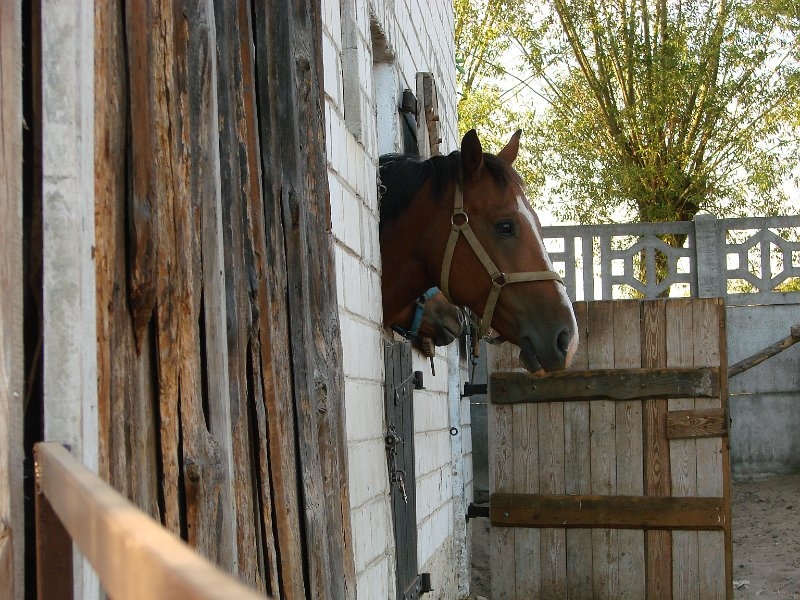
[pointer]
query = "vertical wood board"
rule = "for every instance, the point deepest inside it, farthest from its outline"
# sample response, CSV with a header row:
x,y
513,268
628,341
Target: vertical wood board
x,y
220,389
577,469
605,542
12,392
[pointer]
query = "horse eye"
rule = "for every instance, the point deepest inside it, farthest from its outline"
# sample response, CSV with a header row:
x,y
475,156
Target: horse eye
x,y
505,228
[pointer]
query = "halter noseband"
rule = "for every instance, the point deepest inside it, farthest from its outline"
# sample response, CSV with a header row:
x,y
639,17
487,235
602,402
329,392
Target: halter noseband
x,y
419,311
459,222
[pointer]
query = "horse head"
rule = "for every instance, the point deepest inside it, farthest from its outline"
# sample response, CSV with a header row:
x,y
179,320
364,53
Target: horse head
x,y
463,222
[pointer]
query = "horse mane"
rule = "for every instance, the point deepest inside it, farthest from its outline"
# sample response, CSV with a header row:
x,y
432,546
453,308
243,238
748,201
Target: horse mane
x,y
401,176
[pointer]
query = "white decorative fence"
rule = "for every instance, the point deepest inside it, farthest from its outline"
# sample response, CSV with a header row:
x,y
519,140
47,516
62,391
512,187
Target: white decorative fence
x,y
754,264
739,259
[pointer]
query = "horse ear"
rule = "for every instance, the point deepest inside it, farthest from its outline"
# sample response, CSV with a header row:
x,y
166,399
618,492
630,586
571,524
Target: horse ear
x,y
511,149
471,153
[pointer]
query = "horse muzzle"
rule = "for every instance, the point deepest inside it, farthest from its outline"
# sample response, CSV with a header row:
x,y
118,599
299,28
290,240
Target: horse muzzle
x,y
551,353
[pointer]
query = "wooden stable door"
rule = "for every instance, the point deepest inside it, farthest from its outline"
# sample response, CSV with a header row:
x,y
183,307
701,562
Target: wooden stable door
x,y
612,480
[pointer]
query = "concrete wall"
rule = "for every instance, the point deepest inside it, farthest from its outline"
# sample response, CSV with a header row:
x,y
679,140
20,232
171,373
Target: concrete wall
x,y
372,51
765,400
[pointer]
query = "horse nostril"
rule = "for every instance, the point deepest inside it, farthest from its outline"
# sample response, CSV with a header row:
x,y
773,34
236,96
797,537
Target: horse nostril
x,y
563,341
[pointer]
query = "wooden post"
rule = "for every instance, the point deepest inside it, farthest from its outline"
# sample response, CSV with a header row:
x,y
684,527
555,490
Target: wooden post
x,y
658,544
53,553
11,284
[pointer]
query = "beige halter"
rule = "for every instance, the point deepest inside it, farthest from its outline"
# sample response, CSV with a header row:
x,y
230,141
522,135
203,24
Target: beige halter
x,y
499,279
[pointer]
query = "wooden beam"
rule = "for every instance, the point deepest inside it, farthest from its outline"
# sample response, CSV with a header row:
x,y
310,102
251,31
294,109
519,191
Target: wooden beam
x,y
656,467
700,423
133,555
606,512
614,384
768,352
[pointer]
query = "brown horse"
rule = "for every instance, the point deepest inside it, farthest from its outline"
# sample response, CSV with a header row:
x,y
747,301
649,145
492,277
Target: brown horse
x,y
427,207
430,316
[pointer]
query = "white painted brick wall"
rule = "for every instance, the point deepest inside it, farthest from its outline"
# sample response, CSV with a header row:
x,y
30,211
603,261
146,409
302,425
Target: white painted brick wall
x,y
420,34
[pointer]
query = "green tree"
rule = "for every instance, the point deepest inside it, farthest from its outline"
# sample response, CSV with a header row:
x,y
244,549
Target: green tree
x,y
649,109
489,96
662,109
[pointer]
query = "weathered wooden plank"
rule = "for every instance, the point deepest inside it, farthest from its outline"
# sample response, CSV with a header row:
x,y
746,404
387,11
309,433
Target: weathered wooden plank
x,y
658,544
503,555
724,456
577,470
238,150
605,546
618,512
297,176
606,383
126,404
551,481
628,448
246,297
317,363
273,310
12,376
264,518
525,457
142,243
109,142
683,452
182,232
197,40
149,43
146,561
708,337
697,423
317,357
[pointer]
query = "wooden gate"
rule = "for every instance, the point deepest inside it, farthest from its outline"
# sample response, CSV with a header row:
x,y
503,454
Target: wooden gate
x,y
612,480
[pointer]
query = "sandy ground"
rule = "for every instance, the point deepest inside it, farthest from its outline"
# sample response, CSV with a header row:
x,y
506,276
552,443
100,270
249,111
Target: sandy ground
x,y
766,542
766,538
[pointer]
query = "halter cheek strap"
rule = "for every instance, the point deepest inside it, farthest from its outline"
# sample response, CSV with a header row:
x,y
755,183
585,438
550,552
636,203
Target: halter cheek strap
x,y
459,224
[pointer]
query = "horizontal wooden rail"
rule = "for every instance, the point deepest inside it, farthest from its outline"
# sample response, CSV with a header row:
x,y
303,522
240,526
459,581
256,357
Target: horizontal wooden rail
x,y
611,512
616,384
134,556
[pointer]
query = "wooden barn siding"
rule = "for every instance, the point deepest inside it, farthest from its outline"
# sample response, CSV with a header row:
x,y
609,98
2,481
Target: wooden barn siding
x,y
12,534
616,448
221,394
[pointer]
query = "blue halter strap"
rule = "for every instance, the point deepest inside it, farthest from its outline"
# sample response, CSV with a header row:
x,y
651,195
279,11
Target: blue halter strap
x,y
419,311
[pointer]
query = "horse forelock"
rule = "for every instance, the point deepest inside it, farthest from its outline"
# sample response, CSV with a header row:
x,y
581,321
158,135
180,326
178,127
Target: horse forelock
x,y
401,176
